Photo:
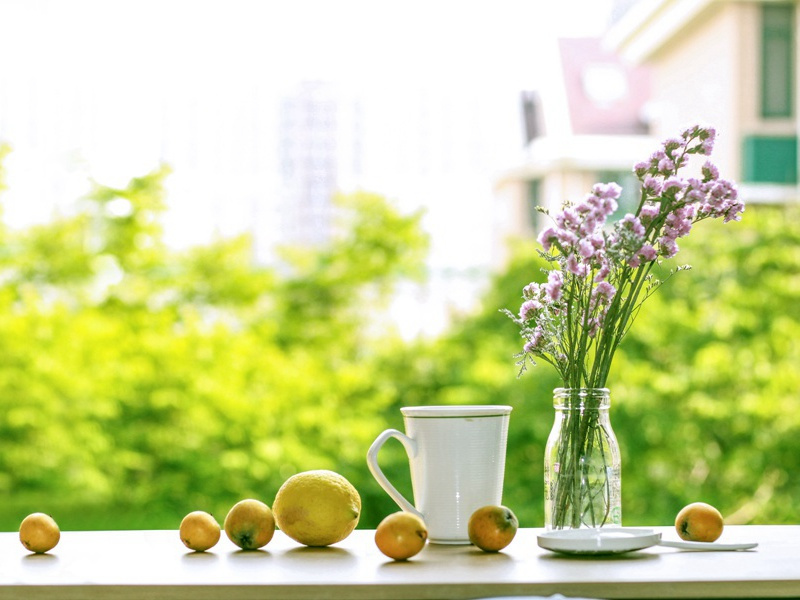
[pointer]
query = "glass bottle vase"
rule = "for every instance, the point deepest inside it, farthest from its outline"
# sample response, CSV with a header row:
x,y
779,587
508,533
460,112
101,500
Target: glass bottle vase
x,y
582,462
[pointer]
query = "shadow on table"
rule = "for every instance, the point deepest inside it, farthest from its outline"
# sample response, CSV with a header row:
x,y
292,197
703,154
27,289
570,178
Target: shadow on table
x,y
199,559
327,555
39,560
600,557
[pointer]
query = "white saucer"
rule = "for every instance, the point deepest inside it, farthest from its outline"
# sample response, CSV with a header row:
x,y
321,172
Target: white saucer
x,y
608,540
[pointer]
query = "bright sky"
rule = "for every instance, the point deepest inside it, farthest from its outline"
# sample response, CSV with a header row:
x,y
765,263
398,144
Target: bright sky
x,y
90,77
108,89
359,39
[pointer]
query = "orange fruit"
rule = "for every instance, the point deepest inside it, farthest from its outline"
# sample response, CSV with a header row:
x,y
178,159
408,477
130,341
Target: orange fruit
x,y
401,535
699,522
39,533
491,528
199,531
249,524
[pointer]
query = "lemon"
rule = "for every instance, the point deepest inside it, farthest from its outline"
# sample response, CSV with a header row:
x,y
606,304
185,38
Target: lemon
x,y
401,535
199,531
39,533
317,508
250,524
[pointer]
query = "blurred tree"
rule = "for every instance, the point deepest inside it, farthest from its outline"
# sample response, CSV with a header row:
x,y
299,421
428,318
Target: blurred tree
x,y
139,383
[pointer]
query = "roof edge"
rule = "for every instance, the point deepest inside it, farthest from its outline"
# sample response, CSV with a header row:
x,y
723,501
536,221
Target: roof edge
x,y
651,24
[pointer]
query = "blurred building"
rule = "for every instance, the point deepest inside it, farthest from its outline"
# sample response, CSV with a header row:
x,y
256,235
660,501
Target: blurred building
x,y
731,64
588,124
319,140
663,65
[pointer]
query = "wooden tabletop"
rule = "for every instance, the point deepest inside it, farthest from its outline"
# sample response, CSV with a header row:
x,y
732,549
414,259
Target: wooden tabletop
x,y
155,564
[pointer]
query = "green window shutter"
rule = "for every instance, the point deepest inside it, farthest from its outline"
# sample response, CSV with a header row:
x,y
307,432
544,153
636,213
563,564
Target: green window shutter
x,y
777,60
770,159
534,199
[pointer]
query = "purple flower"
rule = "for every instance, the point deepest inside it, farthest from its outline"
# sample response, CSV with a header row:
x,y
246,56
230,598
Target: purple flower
x,y
532,345
641,169
536,339
671,145
585,249
553,286
633,224
590,223
603,271
547,237
708,139
666,165
529,309
651,185
694,194
608,190
667,246
609,206
576,267
604,291
705,136
566,238
656,156
597,240
568,219
649,212
710,172
673,183
530,291
593,266
734,212
647,252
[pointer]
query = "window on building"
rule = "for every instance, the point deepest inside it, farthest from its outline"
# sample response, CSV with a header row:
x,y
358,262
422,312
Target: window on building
x,y
534,199
770,159
777,60
531,112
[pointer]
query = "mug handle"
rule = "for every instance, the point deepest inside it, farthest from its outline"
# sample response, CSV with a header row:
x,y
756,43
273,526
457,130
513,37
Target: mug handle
x,y
372,462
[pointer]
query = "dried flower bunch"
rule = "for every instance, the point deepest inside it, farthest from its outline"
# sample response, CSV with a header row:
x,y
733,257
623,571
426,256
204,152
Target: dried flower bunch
x,y
601,273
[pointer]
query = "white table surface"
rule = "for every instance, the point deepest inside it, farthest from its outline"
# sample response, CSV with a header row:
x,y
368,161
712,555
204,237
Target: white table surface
x,y
155,564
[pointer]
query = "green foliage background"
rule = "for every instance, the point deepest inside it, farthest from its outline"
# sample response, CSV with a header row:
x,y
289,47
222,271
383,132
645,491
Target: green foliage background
x,y
138,383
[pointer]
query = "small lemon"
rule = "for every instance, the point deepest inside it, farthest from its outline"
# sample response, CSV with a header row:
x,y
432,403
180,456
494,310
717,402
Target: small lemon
x,y
491,528
199,531
39,533
317,508
401,535
249,524
699,522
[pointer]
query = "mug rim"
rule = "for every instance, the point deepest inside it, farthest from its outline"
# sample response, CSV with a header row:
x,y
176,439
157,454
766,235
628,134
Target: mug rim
x,y
456,411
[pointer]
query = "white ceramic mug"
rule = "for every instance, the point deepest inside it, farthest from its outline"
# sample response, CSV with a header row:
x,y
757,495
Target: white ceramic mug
x,y
457,456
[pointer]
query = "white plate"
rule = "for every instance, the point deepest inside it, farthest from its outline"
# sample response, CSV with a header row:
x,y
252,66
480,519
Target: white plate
x,y
615,540
608,540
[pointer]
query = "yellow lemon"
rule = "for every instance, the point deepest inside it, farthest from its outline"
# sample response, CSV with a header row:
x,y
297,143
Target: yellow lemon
x,y
317,508
401,535
39,533
491,528
199,531
250,524
699,522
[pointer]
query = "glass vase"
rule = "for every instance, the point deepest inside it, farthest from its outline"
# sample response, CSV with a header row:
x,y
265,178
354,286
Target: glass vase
x,y
582,462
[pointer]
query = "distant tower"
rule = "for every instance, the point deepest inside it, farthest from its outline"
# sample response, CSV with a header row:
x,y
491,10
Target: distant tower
x,y
308,139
